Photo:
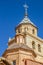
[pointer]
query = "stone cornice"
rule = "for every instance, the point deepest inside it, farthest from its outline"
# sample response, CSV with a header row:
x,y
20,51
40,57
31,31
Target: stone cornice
x,y
17,49
36,37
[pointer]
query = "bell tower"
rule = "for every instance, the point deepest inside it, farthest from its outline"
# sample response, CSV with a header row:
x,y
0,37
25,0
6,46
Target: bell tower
x,y
26,44
18,47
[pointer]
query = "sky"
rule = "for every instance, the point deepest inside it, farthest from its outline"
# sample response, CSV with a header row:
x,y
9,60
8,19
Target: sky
x,y
11,14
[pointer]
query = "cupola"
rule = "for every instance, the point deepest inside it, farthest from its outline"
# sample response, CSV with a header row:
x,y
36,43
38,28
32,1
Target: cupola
x,y
26,26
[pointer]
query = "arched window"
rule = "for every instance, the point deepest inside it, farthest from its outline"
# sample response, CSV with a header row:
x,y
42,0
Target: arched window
x,y
25,29
39,48
20,29
33,44
14,62
33,31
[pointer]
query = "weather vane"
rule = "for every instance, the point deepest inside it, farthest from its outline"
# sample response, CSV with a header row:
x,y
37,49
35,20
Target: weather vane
x,y
26,7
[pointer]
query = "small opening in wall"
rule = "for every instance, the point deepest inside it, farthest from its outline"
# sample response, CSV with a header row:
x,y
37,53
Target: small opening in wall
x,y
14,62
39,48
33,44
19,30
33,31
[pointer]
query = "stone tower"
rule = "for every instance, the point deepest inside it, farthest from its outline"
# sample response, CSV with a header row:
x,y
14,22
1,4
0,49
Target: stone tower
x,y
26,44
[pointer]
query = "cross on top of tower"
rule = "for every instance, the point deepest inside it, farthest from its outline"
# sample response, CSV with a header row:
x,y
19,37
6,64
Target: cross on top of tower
x,y
26,7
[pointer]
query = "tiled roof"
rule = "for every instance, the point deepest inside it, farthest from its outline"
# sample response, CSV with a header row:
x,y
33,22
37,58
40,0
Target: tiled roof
x,y
27,20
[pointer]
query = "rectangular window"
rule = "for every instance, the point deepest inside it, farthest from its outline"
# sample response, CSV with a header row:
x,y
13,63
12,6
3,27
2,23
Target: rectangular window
x,y
33,44
14,62
39,48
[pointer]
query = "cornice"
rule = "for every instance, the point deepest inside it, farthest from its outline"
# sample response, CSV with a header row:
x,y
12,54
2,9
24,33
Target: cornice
x,y
36,37
17,49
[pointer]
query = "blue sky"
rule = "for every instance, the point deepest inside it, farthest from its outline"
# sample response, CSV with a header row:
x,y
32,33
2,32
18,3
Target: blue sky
x,y
11,14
